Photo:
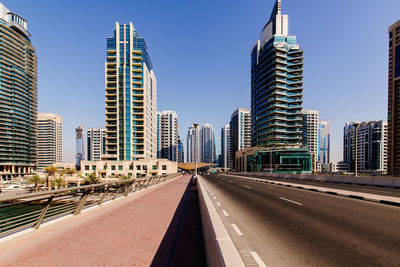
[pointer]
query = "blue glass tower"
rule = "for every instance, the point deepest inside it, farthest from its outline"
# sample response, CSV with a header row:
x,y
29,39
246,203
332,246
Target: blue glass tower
x,y
276,84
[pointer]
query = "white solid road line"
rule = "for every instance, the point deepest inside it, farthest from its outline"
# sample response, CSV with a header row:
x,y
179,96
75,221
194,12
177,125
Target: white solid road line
x,y
237,229
291,201
225,213
258,259
248,187
219,204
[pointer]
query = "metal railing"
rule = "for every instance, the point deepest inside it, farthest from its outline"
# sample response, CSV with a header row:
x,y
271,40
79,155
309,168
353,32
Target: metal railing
x,y
32,209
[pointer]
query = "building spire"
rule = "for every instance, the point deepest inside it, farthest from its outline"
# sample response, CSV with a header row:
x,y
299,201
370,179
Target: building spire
x,y
277,10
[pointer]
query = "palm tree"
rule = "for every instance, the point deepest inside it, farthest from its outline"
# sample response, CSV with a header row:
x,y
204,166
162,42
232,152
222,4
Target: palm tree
x,y
51,171
91,179
58,182
35,179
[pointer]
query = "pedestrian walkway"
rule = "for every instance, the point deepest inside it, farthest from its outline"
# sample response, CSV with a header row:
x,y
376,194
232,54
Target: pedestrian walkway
x,y
160,227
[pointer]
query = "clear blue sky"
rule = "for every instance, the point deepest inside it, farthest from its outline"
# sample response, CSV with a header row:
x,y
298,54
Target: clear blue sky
x,y
201,56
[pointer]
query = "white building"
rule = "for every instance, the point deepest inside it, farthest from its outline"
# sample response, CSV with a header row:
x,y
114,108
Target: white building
x,y
310,121
168,135
96,143
371,146
49,139
225,143
193,133
324,142
240,133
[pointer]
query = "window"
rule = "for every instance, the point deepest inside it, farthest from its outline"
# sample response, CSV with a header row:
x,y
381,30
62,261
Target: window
x,y
164,167
105,167
93,167
86,167
137,175
154,167
131,167
145,167
138,167
113,167
120,167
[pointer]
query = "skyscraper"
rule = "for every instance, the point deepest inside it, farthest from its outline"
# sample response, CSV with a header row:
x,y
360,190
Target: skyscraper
x,y
18,97
207,143
394,100
225,143
49,139
276,84
240,132
168,135
181,153
371,146
80,146
131,90
324,142
96,143
193,133
310,122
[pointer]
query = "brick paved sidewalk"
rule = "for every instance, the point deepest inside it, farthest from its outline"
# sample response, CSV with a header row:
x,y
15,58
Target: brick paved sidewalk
x,y
128,232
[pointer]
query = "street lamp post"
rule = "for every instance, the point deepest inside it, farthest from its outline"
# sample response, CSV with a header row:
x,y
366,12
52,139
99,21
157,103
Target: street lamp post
x,y
196,125
356,124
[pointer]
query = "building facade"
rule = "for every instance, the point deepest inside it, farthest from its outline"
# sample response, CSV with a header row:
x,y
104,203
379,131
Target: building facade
x,y
49,140
324,142
371,146
240,132
310,123
207,144
192,135
168,135
79,146
18,97
225,161
276,84
96,143
394,100
131,97
181,152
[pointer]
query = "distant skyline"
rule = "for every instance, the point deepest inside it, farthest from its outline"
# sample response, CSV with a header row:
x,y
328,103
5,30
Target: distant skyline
x,y
201,56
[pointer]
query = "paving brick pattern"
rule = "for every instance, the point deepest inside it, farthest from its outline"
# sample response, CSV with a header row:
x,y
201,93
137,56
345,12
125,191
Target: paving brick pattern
x,y
125,233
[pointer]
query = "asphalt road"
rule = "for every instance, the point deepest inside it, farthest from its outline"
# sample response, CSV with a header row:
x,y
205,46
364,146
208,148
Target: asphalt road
x,y
384,191
293,227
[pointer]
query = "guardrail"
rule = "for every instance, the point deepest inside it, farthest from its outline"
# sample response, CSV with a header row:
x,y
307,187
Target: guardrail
x,y
383,181
31,210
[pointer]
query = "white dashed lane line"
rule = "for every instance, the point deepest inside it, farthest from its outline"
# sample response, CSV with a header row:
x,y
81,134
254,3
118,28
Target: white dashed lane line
x,y
258,259
237,229
231,182
291,201
248,187
225,213
219,204
215,198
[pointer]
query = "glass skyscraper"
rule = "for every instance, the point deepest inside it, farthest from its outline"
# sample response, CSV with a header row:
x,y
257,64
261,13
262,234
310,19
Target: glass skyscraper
x,y
276,84
18,97
324,140
131,90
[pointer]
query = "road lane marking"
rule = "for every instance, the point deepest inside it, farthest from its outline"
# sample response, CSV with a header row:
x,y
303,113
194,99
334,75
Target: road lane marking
x,y
248,187
237,229
225,213
215,198
291,201
231,182
258,259
219,204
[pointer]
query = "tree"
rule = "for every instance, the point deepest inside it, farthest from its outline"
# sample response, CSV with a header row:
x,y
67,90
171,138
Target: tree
x,y
58,182
91,179
35,179
51,171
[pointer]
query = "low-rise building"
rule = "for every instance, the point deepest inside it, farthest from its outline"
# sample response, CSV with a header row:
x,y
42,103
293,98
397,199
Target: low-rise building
x,y
65,165
132,168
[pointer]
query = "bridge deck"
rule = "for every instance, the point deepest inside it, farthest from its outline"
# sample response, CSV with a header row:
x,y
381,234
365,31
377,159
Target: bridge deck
x,y
155,226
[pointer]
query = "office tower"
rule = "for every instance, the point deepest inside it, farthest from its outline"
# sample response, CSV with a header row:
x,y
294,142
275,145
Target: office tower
x,y
79,146
324,142
310,122
193,133
276,84
240,132
131,90
371,146
49,139
394,100
96,143
168,135
207,143
18,97
181,153
225,161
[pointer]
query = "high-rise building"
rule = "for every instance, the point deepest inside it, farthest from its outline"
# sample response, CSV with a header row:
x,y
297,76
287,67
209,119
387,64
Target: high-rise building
x,y
168,135
276,84
131,90
49,139
371,146
207,143
193,133
324,142
240,132
79,146
394,100
310,122
96,143
181,153
18,97
225,161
